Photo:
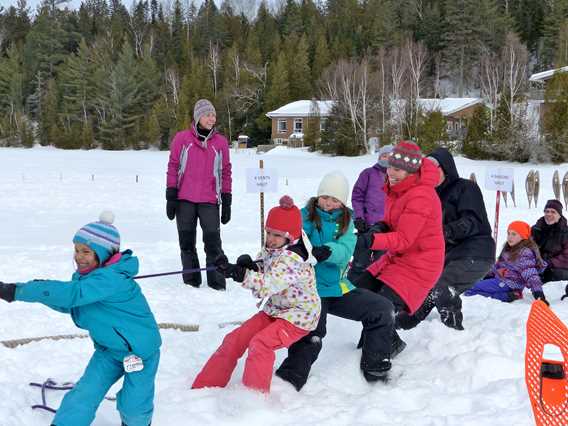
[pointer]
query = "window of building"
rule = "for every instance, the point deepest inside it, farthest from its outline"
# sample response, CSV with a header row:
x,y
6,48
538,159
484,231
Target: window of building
x,y
282,126
323,123
298,125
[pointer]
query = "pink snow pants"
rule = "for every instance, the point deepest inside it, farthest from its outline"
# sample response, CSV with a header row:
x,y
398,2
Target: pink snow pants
x,y
262,335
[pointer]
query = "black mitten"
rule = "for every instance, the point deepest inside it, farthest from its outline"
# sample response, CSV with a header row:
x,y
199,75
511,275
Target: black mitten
x,y
246,262
7,292
539,295
565,293
171,202
321,253
226,200
360,225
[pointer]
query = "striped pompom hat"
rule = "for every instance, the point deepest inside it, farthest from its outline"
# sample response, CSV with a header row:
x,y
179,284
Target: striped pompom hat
x,y
101,237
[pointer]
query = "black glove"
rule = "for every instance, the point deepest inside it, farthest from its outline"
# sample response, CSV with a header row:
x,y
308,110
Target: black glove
x,y
361,225
7,292
246,262
321,253
171,202
229,270
539,295
226,200
380,227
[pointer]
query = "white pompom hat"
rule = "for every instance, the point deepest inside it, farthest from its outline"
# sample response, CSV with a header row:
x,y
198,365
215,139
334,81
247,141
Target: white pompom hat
x,y
335,184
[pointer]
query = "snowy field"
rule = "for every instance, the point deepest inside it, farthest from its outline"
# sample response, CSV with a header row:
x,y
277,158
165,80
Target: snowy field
x,y
444,377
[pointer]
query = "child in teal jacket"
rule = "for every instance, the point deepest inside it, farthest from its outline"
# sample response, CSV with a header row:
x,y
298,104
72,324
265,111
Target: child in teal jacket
x,y
329,226
103,298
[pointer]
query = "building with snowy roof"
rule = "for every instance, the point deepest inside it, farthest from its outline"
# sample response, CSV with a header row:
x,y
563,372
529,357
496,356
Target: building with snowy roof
x,y
289,122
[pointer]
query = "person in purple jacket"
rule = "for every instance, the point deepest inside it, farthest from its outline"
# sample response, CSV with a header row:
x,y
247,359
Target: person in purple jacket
x,y
368,201
517,267
198,181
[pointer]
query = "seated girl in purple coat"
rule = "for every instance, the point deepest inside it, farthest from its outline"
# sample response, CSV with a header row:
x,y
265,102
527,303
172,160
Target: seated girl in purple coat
x,y
517,267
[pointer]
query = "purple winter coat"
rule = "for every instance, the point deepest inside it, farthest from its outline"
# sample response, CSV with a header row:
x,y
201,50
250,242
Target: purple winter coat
x,y
368,197
201,171
520,273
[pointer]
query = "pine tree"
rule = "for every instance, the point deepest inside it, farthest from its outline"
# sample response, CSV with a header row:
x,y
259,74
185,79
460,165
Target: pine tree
x,y
556,13
49,127
278,92
299,74
120,97
431,131
77,89
378,24
321,58
44,48
16,24
555,120
477,134
265,29
11,86
178,41
312,127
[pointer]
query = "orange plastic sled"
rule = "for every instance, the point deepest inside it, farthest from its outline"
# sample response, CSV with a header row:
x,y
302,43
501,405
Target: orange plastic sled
x,y
547,380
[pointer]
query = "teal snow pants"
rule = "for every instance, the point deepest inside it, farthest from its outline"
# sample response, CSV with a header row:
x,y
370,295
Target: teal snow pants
x,y
135,401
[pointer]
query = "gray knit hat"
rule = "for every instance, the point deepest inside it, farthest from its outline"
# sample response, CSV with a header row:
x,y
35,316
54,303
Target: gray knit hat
x,y
385,149
202,107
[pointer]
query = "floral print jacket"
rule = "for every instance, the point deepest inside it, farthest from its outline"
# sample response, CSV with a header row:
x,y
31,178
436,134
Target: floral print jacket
x,y
289,283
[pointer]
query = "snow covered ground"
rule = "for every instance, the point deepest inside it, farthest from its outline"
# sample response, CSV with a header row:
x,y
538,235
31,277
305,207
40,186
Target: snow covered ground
x,y
444,377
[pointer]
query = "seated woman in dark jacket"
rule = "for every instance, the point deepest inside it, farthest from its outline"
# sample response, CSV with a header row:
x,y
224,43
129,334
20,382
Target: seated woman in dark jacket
x,y
551,235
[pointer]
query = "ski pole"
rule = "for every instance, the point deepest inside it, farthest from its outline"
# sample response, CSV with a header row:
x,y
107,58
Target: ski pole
x,y
184,271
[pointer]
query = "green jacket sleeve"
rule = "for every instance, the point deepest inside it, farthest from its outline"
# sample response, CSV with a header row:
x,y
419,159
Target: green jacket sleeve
x,y
342,248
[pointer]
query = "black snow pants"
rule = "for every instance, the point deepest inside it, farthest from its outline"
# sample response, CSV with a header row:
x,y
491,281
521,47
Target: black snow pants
x,y
457,277
374,311
186,217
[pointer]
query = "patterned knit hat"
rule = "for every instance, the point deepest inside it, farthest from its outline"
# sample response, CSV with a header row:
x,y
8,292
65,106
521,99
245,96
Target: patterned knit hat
x,y
406,155
285,219
202,107
555,205
521,228
101,237
334,184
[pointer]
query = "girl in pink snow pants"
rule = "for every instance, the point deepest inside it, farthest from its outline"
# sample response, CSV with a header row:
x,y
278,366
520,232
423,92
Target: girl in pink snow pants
x,y
283,276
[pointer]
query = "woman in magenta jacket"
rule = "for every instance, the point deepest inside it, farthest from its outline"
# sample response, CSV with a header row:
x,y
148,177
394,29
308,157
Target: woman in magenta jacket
x,y
198,182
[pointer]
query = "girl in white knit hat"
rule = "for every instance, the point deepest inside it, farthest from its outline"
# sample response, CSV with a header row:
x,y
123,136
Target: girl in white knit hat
x,y
328,224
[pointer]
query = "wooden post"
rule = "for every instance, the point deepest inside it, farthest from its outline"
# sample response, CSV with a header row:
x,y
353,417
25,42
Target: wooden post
x,y
496,226
261,166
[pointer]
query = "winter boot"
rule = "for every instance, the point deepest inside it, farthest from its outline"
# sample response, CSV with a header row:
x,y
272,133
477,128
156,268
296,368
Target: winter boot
x,y
405,321
289,376
375,367
452,318
398,345
361,340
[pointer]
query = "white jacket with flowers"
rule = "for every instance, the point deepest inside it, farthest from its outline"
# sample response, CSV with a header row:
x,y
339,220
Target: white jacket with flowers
x,y
289,282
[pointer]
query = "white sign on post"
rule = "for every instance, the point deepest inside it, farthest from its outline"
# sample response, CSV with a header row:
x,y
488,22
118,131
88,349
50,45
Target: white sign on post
x,y
499,179
262,180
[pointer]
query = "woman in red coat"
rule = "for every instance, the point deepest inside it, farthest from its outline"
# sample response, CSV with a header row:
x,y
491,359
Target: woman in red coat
x,y
413,237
